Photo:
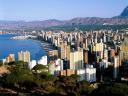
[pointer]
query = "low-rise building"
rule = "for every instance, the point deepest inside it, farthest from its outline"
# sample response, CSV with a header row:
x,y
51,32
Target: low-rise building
x,y
43,60
32,64
90,73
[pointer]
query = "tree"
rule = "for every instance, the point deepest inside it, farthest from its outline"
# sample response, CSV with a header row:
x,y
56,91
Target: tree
x,y
1,62
19,76
17,65
69,84
40,68
115,89
108,72
85,88
75,77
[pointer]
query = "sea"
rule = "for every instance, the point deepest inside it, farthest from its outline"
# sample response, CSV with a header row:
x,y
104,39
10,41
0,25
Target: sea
x,y
10,46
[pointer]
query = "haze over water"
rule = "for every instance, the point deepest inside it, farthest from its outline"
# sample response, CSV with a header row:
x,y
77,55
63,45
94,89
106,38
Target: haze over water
x,y
8,46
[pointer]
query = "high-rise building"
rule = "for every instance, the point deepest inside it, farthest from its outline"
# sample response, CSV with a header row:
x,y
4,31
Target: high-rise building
x,y
68,53
24,56
106,54
76,59
53,54
65,51
112,53
124,50
104,38
85,43
85,56
98,48
116,67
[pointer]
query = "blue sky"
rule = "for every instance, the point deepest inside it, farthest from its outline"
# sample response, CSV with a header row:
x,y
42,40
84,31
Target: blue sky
x,y
59,9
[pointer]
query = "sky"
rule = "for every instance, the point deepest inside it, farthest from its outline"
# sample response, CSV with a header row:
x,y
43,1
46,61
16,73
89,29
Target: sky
x,y
31,10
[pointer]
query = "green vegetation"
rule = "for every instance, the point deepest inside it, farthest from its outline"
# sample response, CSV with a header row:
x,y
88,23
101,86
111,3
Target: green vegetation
x,y
39,67
30,83
87,27
115,89
19,76
1,63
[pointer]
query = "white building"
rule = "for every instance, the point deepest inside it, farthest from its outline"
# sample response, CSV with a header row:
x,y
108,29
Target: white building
x,y
81,73
106,54
55,67
32,64
3,61
59,62
76,59
90,73
43,60
104,63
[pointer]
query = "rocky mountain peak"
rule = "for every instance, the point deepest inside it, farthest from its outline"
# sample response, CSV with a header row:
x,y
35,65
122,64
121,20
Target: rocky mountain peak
x,y
124,13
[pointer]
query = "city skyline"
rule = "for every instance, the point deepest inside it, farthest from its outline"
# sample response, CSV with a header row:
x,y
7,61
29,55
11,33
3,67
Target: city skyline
x,y
62,10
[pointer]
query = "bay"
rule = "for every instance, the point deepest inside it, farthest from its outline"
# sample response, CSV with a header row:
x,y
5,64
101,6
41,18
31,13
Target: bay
x,y
9,46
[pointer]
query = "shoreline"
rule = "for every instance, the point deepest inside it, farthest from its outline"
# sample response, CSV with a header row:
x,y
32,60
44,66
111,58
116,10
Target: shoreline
x,y
15,48
23,37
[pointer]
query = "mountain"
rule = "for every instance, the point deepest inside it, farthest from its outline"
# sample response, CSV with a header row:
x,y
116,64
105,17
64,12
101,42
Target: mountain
x,y
118,20
97,20
124,13
30,24
121,19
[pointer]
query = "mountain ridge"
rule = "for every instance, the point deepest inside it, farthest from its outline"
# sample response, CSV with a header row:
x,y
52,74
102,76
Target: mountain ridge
x,y
121,19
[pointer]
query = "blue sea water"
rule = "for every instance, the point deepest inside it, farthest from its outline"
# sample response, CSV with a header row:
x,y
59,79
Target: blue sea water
x,y
9,46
